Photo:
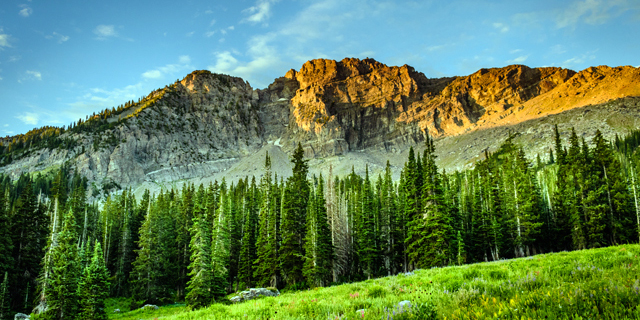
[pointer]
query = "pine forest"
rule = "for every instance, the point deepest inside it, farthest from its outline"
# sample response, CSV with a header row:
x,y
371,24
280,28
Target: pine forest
x,y
61,257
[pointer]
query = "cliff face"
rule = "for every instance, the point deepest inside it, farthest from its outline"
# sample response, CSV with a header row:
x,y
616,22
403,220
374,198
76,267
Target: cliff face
x,y
206,123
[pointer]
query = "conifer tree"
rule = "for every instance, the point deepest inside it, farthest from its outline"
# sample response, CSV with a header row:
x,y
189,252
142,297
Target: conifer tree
x,y
29,227
220,245
430,233
248,243
294,207
366,229
5,302
62,296
200,269
319,252
266,264
94,288
6,243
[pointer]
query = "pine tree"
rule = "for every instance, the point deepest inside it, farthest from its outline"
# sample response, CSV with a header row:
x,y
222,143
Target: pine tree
x,y
200,270
5,302
266,263
430,233
248,244
94,288
319,252
29,237
6,243
62,296
294,207
366,229
220,244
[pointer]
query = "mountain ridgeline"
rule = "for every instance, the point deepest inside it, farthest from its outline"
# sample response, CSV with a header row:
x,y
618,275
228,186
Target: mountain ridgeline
x,y
344,113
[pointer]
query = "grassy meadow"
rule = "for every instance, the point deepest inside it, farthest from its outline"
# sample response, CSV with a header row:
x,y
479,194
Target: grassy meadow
x,y
589,284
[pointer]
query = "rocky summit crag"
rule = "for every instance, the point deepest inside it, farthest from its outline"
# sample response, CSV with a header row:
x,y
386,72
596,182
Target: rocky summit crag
x,y
346,114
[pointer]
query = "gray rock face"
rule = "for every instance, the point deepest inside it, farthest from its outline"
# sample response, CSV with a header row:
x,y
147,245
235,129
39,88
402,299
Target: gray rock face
x,y
205,124
254,293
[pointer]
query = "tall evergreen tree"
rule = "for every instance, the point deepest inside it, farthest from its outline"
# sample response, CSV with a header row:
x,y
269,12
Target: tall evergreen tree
x,y
266,264
250,227
319,252
5,299
294,208
62,296
200,269
6,243
29,237
220,244
93,289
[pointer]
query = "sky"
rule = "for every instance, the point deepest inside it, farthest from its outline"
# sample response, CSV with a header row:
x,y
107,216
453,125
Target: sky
x,y
63,60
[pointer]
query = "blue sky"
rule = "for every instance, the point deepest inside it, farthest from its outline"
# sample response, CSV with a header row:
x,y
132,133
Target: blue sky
x,y
62,60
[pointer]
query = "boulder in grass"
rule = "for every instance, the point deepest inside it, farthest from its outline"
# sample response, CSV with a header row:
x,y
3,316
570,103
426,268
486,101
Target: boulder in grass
x,y
255,293
404,305
149,307
116,311
21,316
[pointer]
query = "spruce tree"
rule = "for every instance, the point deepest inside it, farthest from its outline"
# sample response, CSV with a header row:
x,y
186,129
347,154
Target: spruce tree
x,y
29,226
266,263
5,302
94,288
62,296
6,244
294,207
248,242
220,244
319,252
200,270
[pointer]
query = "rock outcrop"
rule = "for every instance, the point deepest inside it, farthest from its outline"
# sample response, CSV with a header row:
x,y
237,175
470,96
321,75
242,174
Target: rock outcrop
x,y
206,125
254,293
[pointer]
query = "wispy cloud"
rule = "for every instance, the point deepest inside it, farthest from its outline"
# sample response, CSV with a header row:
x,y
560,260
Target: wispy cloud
x,y
30,75
105,31
503,28
578,61
209,34
260,12
59,37
4,40
25,11
30,118
593,12
518,60
169,69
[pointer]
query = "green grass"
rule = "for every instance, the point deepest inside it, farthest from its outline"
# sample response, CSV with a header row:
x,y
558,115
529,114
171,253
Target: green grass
x,y
589,284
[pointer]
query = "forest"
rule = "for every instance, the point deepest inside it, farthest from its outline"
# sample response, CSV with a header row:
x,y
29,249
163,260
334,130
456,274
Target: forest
x,y
61,256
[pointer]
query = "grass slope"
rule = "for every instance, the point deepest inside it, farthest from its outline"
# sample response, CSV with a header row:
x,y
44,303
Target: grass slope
x,y
589,284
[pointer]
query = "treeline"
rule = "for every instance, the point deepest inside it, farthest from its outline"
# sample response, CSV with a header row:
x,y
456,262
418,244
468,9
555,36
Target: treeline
x,y
200,243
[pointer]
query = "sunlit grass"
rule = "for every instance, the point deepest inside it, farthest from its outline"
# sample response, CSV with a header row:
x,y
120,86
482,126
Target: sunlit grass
x,y
588,284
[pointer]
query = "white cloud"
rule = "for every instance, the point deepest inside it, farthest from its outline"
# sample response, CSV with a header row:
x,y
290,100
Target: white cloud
x,y
31,75
514,51
29,118
578,61
169,69
184,59
189,34
25,11
209,34
518,60
152,74
594,12
61,38
105,31
212,23
503,28
260,12
4,40
208,12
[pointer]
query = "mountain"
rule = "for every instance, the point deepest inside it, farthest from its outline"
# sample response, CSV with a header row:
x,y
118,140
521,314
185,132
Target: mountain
x,y
344,113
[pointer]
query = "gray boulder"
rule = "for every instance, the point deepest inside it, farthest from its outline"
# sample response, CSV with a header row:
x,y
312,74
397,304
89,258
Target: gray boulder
x,y
404,305
150,307
254,293
21,316
116,311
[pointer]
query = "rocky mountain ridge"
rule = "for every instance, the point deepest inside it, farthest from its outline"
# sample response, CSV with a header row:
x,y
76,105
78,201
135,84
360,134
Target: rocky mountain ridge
x,y
344,113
